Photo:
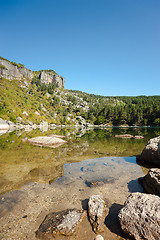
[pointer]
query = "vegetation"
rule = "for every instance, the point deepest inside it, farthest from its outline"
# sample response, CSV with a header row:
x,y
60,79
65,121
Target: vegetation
x,y
19,65
141,110
60,106
50,71
3,67
42,87
2,58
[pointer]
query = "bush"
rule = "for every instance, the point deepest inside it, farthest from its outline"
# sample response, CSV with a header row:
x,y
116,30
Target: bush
x,y
3,67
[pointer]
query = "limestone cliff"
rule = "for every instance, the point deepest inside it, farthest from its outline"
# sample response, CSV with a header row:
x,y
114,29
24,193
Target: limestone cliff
x,y
51,77
11,70
16,71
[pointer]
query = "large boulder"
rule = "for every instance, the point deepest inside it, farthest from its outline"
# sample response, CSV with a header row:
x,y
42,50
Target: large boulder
x,y
45,141
151,153
140,217
151,182
96,212
60,223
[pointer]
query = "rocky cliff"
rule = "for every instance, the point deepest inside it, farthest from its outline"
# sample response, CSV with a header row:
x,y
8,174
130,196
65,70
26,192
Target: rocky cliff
x,y
17,71
51,77
12,70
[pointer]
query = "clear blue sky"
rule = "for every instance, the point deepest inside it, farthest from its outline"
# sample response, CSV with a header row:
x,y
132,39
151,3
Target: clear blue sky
x,y
106,47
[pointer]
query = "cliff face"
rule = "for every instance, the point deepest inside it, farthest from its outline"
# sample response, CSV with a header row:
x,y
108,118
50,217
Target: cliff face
x,y
14,71
51,77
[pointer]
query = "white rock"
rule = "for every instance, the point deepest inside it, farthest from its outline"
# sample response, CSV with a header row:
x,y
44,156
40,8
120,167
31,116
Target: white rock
x,y
99,237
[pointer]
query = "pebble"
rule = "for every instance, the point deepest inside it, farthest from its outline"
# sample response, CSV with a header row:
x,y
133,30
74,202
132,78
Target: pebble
x,y
99,237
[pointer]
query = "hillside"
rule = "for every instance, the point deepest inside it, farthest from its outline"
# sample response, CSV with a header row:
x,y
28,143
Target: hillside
x,y
29,97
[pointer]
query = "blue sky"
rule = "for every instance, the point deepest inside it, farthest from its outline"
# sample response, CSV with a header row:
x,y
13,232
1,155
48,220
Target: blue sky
x,y
105,47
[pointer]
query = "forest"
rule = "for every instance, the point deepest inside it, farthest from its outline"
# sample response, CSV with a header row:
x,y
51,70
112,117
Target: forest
x,y
122,110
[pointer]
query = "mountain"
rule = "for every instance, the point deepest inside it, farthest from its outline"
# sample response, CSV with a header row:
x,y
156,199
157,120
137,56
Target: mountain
x,y
30,97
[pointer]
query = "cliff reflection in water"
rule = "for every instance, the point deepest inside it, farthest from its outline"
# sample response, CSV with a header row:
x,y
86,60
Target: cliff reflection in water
x,y
21,163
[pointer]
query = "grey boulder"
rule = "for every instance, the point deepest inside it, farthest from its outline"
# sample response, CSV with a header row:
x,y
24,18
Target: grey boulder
x,y
140,217
151,153
60,223
151,181
96,212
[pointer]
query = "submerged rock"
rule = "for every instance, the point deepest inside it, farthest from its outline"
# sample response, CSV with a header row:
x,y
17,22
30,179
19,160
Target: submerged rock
x,y
100,182
151,153
151,182
63,222
47,141
140,217
96,211
128,136
99,237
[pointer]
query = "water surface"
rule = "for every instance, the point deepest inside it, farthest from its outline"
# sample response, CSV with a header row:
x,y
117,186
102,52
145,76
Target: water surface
x,y
21,163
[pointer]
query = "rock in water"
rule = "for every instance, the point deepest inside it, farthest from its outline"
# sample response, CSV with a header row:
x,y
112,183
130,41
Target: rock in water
x,y
96,211
151,153
151,182
99,237
46,141
140,217
63,222
44,126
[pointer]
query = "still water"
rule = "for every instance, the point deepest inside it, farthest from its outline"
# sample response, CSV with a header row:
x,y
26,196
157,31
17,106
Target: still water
x,y
22,163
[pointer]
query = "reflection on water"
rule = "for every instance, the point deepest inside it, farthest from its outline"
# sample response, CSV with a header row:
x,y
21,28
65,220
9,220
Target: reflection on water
x,y
21,163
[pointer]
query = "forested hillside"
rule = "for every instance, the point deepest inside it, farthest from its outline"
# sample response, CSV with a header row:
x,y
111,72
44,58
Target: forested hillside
x,y
140,110
33,101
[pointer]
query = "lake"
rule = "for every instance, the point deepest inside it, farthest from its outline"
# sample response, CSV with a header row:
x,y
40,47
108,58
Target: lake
x,y
37,180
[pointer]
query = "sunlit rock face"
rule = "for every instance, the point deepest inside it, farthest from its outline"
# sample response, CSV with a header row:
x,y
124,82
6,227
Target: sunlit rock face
x,y
13,71
151,153
47,78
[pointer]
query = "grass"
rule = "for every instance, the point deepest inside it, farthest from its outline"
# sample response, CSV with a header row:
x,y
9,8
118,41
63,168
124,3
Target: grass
x,y
3,67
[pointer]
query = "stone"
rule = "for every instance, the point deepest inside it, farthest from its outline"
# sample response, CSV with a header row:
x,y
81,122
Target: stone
x,y
19,119
128,136
60,223
124,136
37,113
44,126
46,141
151,153
25,113
99,237
151,181
140,216
96,212
4,124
